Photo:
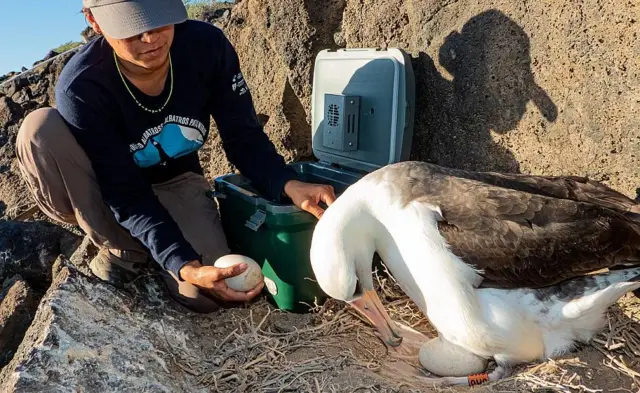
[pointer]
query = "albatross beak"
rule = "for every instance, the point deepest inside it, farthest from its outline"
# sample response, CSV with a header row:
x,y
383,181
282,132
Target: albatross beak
x,y
371,307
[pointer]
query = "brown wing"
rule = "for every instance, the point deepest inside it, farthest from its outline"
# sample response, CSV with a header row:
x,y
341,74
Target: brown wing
x,y
575,188
523,230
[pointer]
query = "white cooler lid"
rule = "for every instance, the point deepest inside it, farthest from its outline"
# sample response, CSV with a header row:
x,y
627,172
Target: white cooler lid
x,y
383,81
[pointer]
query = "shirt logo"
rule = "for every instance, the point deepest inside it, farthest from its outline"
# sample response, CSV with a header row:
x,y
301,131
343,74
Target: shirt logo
x,y
238,84
176,137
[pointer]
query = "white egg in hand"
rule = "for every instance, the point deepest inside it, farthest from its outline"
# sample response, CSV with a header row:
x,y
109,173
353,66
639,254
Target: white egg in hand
x,y
248,279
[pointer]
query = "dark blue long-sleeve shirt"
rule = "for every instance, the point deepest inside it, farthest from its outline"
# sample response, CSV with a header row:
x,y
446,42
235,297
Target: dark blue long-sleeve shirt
x,y
130,149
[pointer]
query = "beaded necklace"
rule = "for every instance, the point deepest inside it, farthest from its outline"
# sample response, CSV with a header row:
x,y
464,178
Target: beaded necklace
x,y
134,97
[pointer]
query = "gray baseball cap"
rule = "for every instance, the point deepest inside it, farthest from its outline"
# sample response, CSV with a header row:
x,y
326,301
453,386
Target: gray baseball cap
x,y
127,18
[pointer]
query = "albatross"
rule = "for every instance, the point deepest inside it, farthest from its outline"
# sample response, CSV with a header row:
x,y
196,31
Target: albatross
x,y
504,266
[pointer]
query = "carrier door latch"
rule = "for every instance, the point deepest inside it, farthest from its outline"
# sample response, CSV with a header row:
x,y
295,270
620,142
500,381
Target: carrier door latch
x,y
256,220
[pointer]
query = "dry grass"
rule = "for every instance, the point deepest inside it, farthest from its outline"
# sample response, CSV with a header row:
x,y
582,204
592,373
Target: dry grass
x,y
334,346
256,357
620,343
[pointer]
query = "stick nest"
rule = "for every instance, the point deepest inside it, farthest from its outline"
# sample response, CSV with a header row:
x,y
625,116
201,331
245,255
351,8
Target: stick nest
x,y
334,350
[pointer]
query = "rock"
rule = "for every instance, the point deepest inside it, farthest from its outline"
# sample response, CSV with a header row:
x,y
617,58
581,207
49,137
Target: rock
x,y
13,189
31,248
18,304
526,87
288,33
35,89
12,87
30,105
212,15
10,113
88,34
54,72
30,96
22,96
83,255
7,77
87,336
40,92
48,56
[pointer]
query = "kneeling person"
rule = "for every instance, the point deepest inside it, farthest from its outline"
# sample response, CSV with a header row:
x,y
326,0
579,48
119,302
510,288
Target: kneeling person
x,y
119,156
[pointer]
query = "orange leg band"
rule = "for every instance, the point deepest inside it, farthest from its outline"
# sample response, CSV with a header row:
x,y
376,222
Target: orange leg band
x,y
477,379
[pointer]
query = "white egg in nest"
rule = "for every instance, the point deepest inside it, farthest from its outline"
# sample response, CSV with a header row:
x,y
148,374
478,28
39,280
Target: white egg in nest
x,y
446,359
245,281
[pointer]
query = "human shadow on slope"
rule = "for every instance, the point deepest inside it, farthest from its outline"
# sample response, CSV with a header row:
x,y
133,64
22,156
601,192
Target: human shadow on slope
x,y
490,62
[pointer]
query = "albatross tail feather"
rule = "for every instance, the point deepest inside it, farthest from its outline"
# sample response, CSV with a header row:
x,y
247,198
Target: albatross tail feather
x,y
595,293
576,309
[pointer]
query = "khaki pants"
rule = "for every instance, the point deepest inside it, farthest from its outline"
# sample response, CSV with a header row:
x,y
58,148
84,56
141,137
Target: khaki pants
x,y
62,181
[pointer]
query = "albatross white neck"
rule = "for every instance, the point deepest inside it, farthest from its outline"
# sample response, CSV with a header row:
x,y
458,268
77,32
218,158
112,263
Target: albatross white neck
x,y
408,241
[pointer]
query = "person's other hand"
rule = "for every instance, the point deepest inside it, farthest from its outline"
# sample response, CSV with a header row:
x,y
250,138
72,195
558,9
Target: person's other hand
x,y
307,196
211,279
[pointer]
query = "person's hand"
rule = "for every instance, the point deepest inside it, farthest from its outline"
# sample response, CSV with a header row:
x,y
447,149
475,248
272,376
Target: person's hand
x,y
211,279
307,196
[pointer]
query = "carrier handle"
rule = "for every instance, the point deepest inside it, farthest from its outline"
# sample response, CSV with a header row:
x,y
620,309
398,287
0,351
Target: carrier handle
x,y
215,194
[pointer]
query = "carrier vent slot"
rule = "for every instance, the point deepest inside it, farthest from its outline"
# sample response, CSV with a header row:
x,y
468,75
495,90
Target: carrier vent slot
x,y
341,122
333,115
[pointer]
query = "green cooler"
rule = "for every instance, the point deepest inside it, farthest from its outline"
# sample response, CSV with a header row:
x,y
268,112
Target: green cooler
x,y
363,109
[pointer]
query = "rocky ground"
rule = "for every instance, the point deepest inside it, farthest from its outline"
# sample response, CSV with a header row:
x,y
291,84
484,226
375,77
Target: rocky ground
x,y
533,87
